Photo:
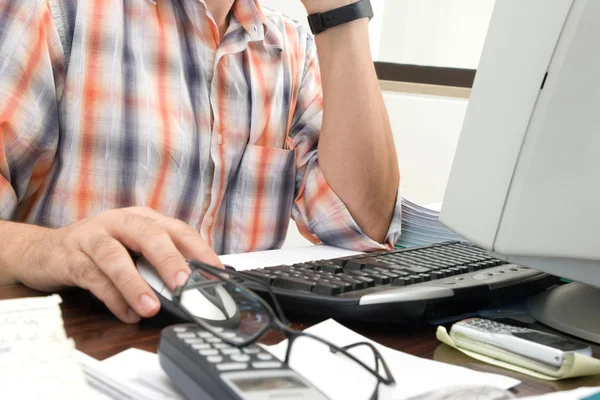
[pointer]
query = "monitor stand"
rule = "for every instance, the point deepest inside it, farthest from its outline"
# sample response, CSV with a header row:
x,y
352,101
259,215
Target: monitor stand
x,y
570,308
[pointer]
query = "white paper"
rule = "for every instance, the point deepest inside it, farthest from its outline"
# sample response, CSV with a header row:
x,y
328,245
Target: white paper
x,y
36,358
413,375
268,258
142,371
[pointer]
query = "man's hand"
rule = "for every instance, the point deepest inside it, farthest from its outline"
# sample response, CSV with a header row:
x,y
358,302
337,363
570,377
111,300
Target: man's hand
x,y
93,254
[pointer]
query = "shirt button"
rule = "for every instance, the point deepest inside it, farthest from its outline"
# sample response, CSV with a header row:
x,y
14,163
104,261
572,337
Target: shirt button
x,y
209,221
220,139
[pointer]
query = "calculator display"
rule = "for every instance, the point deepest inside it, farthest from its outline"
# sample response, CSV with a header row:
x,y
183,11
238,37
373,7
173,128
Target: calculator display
x,y
266,383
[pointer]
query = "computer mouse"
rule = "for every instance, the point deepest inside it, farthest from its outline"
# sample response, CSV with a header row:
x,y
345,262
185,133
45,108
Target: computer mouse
x,y
213,305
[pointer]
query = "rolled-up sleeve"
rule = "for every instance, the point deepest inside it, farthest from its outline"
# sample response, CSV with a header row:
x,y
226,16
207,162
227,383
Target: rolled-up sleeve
x,y
319,213
31,64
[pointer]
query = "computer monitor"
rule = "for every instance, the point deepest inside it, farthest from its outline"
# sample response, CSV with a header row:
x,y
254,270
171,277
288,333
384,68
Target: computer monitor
x,y
525,182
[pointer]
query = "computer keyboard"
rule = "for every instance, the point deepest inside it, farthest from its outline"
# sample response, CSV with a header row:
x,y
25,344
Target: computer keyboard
x,y
400,284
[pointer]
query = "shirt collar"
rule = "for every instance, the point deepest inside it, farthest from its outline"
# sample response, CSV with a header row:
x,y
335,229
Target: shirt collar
x,y
260,29
251,17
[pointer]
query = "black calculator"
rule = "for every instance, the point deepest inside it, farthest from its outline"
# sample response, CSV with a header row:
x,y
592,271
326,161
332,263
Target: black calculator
x,y
202,366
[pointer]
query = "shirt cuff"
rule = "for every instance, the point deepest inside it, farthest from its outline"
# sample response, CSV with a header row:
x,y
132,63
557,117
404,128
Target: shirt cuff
x,y
335,226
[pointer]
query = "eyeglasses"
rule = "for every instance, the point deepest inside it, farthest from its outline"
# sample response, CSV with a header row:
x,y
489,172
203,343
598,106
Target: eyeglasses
x,y
246,317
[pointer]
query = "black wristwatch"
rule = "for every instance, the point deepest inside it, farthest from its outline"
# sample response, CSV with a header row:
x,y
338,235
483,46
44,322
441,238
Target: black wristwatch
x,y
320,22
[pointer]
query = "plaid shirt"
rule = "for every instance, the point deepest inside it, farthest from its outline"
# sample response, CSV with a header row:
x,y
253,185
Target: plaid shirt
x,y
114,103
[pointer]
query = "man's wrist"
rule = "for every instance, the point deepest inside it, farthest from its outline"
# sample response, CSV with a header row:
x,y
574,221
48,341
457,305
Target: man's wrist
x,y
319,6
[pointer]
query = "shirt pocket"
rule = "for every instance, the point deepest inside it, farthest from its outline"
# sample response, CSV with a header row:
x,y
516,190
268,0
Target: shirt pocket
x,y
263,198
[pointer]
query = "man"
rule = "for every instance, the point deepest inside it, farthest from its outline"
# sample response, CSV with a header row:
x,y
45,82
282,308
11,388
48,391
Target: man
x,y
182,129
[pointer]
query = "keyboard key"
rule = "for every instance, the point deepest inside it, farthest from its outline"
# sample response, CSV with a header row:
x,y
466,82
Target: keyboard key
x,y
263,277
369,282
379,279
425,277
327,267
397,273
437,275
327,288
344,286
214,359
372,263
355,264
355,272
342,261
288,282
357,284
416,269
402,281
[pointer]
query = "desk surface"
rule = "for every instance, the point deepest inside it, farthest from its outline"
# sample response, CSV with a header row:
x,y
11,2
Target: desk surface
x,y
100,335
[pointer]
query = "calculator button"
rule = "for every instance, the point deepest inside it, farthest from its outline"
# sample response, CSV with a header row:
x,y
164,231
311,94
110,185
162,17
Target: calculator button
x,y
266,364
215,359
233,350
221,346
228,335
179,329
193,341
211,352
231,366
240,357
186,335
201,346
251,350
217,329
205,334
264,356
213,340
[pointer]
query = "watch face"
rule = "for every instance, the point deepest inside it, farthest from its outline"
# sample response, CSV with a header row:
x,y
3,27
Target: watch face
x,y
553,341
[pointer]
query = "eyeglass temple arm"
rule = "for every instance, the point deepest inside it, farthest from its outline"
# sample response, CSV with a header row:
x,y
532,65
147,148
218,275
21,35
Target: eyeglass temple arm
x,y
293,335
241,275
376,353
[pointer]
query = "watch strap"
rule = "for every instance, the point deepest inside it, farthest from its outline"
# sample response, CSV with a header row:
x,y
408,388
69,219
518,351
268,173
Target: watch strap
x,y
320,22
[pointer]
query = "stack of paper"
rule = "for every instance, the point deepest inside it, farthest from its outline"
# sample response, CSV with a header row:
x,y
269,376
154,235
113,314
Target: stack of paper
x,y
139,373
37,360
421,227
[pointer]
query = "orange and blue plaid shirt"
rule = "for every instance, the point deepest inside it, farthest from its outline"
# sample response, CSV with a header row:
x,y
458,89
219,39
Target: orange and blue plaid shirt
x,y
113,103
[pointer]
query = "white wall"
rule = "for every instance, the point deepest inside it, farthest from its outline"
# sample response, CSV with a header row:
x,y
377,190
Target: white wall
x,y
447,33
426,131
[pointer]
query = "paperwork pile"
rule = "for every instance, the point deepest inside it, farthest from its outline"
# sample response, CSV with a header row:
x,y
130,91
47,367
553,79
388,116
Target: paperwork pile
x,y
135,374
37,359
421,227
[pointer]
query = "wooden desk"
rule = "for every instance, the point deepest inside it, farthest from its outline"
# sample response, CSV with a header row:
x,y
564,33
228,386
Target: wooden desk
x,y
101,335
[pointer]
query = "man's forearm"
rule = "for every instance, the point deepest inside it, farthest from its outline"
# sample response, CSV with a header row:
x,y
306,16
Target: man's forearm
x,y
356,148
15,248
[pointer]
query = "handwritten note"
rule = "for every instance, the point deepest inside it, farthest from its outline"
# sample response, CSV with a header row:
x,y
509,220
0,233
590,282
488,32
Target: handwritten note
x,y
37,360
